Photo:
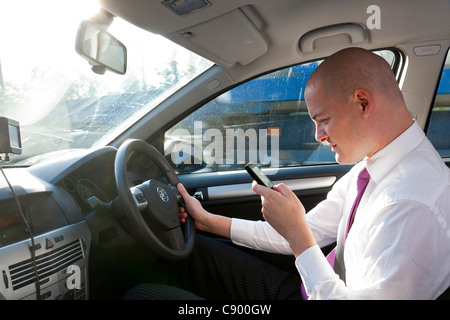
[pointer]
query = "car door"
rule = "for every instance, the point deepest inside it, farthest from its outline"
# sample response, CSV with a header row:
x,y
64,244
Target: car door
x,y
264,120
439,118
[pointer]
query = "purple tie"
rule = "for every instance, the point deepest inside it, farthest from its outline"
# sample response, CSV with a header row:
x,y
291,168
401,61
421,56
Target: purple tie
x,y
361,184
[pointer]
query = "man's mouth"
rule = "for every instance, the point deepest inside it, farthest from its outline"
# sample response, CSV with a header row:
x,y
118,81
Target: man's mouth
x,y
332,146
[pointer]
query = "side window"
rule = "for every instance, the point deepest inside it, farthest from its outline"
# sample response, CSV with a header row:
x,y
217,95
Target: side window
x,y
264,120
438,125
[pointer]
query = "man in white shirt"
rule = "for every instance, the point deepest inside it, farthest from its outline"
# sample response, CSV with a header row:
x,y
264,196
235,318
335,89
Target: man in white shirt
x,y
398,246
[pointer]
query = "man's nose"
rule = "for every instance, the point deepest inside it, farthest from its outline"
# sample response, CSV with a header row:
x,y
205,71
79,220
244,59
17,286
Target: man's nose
x,y
321,135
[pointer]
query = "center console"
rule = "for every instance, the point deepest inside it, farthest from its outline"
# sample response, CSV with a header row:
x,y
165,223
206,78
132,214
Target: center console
x,y
60,262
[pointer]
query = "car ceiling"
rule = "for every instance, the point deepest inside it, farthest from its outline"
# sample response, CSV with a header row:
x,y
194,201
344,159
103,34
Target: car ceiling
x,y
249,37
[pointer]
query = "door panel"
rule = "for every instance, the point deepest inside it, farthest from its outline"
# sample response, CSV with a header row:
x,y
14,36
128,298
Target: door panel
x,y
229,193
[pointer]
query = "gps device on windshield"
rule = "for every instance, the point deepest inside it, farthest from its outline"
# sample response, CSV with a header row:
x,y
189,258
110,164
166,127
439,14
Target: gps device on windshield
x,y
10,136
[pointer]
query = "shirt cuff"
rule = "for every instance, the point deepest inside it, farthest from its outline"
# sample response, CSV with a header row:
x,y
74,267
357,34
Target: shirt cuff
x,y
258,235
314,269
239,231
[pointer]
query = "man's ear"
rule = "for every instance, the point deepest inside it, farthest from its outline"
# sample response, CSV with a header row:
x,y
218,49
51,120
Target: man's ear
x,y
364,100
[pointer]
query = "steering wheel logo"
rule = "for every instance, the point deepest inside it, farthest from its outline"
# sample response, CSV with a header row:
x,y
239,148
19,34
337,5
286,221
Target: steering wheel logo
x,y
162,194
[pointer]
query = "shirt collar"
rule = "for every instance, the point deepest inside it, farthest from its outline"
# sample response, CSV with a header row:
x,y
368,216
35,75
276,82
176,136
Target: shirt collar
x,y
382,162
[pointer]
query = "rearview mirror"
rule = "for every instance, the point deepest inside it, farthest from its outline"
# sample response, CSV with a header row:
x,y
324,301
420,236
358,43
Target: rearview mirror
x,y
101,49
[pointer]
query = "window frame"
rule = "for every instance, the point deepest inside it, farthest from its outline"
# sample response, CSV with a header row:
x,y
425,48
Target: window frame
x,y
397,66
433,105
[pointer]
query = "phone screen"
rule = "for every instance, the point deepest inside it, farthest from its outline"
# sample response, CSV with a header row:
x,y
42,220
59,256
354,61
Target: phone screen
x,y
258,175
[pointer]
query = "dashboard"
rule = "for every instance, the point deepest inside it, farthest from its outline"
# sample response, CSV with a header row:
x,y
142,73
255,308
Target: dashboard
x,y
68,204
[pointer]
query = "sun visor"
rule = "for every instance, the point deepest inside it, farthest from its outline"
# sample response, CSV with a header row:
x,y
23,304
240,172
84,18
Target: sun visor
x,y
218,38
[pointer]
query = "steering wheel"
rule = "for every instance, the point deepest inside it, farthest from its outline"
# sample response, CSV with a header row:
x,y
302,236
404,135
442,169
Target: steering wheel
x,y
151,208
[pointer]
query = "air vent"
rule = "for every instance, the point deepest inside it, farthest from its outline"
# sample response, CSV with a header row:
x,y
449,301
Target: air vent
x,y
22,273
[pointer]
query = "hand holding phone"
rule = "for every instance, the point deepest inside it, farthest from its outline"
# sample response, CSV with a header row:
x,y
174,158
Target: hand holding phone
x,y
258,175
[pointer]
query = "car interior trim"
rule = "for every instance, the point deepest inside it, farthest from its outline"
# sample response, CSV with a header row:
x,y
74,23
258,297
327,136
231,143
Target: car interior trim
x,y
245,189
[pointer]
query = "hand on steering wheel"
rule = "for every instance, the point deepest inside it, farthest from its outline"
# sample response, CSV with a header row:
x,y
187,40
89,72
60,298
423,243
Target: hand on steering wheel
x,y
151,208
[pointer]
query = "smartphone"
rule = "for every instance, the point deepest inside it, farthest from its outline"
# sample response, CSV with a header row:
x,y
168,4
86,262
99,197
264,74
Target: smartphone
x,y
258,175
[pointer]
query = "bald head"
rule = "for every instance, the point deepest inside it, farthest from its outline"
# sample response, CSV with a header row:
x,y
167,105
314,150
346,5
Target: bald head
x,y
353,68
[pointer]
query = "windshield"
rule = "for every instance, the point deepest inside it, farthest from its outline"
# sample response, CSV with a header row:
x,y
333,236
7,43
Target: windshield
x,y
58,100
